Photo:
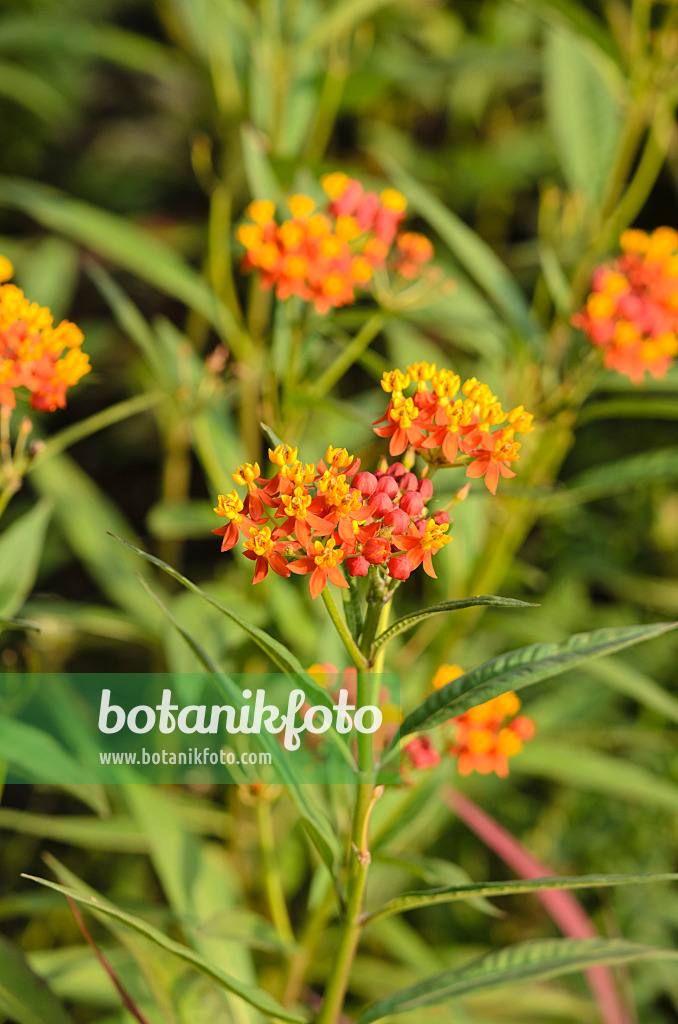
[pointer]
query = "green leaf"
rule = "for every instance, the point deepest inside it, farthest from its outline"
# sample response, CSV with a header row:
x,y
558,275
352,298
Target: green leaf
x,y
24,997
315,825
450,894
260,177
472,253
313,820
633,683
583,111
34,92
277,652
84,514
621,474
521,668
254,996
180,519
85,831
413,618
18,624
340,19
120,241
527,961
596,772
21,545
27,748
629,408
573,15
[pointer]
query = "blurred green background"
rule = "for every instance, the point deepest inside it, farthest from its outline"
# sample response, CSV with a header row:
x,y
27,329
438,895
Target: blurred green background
x,y
134,135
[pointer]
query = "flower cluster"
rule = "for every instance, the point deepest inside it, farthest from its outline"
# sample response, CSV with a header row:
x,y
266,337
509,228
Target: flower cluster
x,y
483,738
322,256
313,519
35,354
444,428
632,312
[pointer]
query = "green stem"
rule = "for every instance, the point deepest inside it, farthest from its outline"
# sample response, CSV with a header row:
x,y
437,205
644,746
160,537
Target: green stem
x,y
342,629
6,496
359,862
99,421
272,879
348,357
349,935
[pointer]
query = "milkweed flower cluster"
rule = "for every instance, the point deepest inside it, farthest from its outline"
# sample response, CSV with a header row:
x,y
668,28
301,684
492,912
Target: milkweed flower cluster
x,y
314,520
323,256
483,738
443,427
35,354
632,311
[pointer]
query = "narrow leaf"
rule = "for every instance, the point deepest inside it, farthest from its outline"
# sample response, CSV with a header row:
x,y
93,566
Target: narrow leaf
x,y
472,253
527,961
413,618
451,894
24,997
524,667
254,996
277,652
20,549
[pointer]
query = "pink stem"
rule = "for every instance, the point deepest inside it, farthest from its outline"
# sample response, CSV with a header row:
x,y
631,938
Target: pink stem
x,y
562,906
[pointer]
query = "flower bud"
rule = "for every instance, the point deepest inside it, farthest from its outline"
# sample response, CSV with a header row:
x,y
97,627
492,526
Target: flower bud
x,y
426,488
412,503
357,566
366,483
441,518
421,525
400,567
396,469
380,504
388,485
376,550
408,482
398,520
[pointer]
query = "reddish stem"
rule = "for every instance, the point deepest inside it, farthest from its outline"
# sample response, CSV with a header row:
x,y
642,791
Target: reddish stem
x,y
126,998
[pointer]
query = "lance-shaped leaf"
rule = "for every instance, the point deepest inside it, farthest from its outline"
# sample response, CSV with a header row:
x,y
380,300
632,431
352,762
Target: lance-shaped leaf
x,y
315,824
450,894
254,996
20,550
408,621
24,997
527,961
521,668
473,254
277,652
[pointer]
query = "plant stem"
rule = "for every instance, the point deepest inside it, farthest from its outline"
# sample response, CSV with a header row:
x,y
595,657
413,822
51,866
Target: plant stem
x,y
349,935
342,629
351,353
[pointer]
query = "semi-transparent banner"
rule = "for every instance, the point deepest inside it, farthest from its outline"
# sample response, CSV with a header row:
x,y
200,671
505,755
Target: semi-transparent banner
x,y
196,728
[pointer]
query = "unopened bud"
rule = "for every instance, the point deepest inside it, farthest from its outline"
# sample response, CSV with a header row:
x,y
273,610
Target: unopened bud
x,y
357,566
400,567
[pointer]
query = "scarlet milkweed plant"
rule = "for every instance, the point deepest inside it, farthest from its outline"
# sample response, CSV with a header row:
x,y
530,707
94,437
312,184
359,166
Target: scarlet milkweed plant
x,y
334,522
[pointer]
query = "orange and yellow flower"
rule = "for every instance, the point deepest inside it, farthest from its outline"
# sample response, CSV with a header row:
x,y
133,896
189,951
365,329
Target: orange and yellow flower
x,y
632,311
322,520
444,428
322,257
483,738
34,353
